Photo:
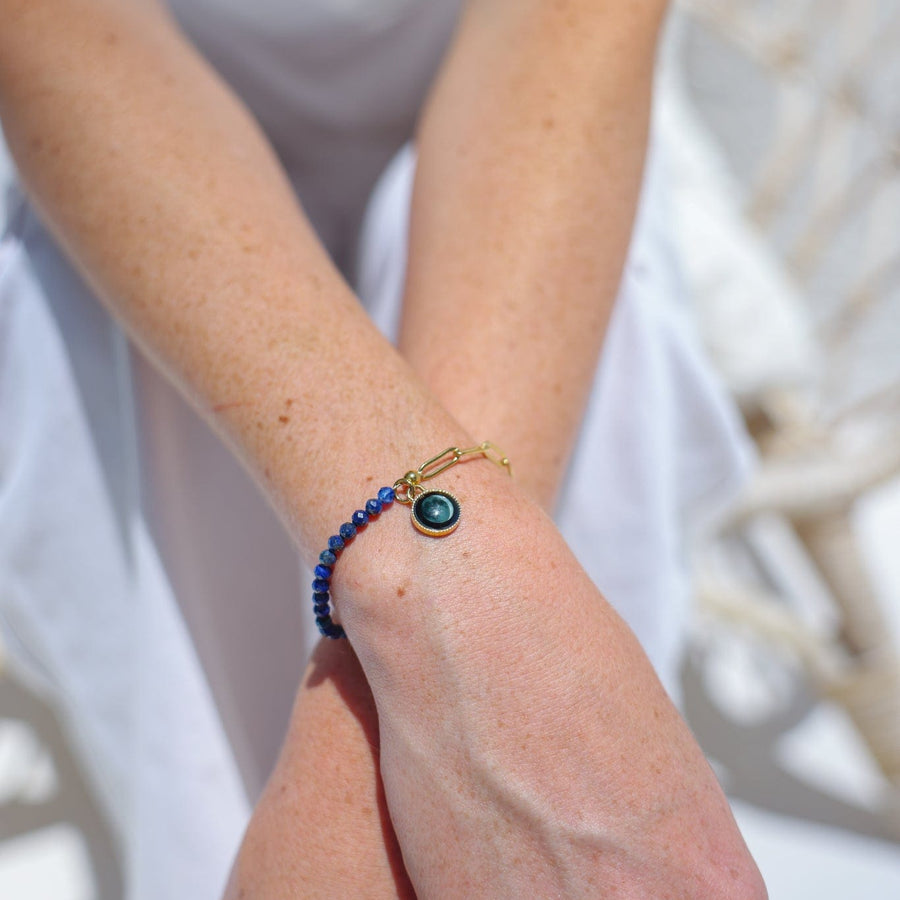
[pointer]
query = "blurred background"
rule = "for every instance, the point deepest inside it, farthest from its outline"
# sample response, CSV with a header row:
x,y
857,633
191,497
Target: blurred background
x,y
781,128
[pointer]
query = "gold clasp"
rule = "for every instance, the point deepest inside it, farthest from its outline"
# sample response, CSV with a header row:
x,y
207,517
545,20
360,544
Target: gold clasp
x,y
494,454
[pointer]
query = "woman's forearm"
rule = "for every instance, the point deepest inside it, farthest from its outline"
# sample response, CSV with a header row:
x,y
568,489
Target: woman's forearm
x,y
529,167
322,828
165,194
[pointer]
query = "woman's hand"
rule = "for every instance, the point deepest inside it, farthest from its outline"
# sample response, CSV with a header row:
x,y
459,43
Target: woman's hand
x,y
525,744
527,747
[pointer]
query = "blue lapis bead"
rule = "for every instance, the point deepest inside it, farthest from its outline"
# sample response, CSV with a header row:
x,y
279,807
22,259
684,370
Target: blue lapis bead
x,y
328,628
328,558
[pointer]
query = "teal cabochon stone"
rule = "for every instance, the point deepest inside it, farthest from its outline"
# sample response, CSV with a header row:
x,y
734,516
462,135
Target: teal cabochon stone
x,y
436,511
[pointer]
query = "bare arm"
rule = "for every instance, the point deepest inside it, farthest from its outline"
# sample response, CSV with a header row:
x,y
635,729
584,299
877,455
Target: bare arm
x,y
163,191
530,159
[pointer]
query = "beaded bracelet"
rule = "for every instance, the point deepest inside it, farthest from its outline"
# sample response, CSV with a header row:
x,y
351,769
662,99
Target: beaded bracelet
x,y
434,513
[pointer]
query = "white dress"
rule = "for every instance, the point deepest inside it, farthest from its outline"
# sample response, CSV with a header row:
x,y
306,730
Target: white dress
x,y
146,588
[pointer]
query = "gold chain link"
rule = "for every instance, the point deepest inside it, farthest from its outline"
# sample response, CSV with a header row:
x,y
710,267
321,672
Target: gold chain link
x,y
409,486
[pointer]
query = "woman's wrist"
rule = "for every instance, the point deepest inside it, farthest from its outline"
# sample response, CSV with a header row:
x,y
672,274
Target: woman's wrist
x,y
391,579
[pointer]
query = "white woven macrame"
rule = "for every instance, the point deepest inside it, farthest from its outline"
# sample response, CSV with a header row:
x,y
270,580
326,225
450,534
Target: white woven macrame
x,y
794,264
